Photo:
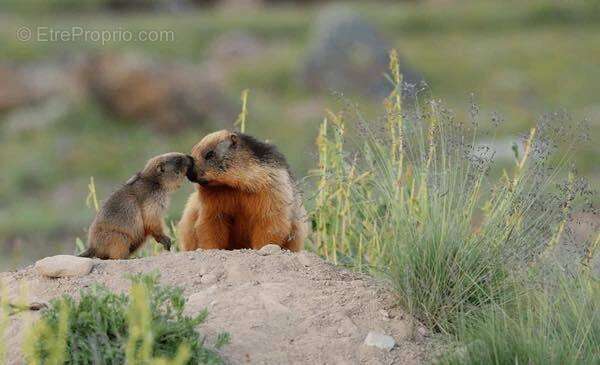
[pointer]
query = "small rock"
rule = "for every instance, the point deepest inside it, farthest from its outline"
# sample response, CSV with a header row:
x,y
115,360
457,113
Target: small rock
x,y
64,266
269,249
380,340
422,331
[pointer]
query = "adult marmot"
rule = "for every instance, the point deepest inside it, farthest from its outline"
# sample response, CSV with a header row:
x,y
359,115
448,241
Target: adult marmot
x,y
245,198
135,211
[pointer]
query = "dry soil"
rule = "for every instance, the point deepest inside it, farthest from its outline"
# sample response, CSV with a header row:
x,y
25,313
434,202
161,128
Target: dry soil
x,y
281,308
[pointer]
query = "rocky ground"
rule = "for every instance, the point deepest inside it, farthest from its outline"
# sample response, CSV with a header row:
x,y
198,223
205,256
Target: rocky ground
x,y
279,307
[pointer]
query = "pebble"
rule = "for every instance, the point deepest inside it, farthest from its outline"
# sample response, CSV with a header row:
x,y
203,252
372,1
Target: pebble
x,y
64,266
380,340
269,249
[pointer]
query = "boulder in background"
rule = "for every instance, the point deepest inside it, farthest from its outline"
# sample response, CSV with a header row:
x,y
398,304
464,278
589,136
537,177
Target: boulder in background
x,y
347,54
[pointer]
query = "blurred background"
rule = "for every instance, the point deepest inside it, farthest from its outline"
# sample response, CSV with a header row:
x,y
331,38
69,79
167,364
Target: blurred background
x,y
93,88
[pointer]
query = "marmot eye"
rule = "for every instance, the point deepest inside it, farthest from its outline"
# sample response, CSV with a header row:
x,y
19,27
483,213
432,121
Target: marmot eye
x,y
209,155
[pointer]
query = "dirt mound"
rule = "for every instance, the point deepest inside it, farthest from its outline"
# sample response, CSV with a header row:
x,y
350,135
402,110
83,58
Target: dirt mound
x,y
279,308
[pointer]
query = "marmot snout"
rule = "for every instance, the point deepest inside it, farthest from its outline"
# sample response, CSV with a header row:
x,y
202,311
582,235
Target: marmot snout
x,y
136,210
246,196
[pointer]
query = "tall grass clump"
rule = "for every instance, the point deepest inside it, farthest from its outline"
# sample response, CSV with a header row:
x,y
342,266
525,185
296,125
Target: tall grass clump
x,y
412,195
559,325
101,327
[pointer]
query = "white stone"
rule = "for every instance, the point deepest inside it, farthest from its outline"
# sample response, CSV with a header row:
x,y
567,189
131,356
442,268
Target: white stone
x,y
64,266
269,249
380,340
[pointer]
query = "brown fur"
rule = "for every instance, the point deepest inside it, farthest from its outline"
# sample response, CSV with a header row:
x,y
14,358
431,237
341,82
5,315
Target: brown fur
x,y
246,197
135,211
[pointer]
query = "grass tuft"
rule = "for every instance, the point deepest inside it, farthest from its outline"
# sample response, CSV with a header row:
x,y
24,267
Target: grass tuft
x,y
558,325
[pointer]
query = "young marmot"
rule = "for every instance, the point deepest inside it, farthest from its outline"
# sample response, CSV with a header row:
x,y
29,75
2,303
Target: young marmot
x,y
135,211
245,198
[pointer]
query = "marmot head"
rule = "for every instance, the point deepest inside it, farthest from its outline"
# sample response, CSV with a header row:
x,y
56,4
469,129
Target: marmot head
x,y
234,160
168,170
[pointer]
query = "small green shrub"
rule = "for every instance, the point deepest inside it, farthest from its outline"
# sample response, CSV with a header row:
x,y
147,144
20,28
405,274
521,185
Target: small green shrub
x,y
103,327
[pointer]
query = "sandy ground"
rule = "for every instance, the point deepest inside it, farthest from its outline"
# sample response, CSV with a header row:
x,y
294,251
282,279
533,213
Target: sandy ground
x,y
283,308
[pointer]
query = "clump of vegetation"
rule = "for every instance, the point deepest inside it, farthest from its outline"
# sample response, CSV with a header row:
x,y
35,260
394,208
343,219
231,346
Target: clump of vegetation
x,y
462,239
147,326
558,325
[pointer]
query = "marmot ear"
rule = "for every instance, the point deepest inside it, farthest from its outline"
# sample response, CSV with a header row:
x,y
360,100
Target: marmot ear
x,y
234,139
161,168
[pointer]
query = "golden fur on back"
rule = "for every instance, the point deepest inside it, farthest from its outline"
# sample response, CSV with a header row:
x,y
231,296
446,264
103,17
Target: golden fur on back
x,y
246,200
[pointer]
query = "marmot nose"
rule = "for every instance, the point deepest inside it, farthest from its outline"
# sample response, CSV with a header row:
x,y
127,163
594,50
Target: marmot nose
x,y
190,160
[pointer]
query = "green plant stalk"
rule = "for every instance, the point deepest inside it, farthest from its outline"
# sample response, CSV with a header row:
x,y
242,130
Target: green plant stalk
x,y
139,344
241,120
92,198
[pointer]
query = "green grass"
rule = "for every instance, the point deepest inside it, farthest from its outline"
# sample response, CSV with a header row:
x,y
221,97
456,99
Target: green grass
x,y
558,325
413,198
145,327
